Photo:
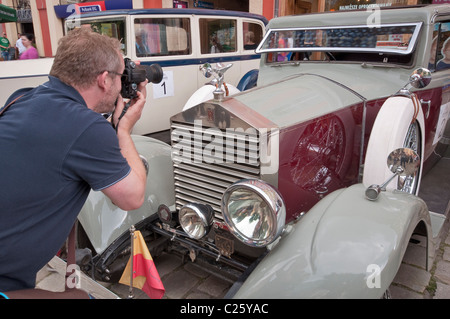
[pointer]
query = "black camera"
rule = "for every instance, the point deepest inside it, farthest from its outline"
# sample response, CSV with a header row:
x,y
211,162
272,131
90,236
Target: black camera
x,y
135,74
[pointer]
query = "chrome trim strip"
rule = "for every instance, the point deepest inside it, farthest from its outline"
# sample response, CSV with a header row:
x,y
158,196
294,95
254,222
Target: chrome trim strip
x,y
411,45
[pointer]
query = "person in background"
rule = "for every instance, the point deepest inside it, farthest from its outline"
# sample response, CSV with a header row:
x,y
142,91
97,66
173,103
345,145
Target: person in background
x,y
19,45
249,43
30,51
141,46
215,47
444,63
4,46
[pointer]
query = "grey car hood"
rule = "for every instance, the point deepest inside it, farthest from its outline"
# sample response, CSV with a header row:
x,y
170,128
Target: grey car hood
x,y
302,96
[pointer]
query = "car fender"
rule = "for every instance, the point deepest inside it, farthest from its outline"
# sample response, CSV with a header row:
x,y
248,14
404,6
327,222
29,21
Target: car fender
x,y
249,80
104,222
344,247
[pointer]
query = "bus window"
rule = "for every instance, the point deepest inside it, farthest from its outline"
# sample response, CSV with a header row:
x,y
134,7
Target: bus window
x,y
253,34
112,28
217,35
162,36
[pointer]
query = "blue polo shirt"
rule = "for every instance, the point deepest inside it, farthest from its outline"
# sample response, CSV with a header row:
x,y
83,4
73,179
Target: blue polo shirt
x,y
53,150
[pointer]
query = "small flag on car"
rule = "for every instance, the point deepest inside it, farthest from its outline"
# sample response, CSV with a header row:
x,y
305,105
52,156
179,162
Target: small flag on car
x,y
145,276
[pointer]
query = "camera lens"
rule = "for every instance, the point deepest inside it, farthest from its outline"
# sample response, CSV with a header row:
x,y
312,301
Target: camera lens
x,y
154,73
135,74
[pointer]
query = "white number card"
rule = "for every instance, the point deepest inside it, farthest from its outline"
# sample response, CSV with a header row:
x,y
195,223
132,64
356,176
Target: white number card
x,y
165,87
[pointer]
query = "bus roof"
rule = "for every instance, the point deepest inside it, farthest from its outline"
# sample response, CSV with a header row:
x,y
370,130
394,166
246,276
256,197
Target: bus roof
x,y
173,11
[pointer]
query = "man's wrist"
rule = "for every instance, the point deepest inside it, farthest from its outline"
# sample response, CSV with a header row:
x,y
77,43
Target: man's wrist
x,y
123,131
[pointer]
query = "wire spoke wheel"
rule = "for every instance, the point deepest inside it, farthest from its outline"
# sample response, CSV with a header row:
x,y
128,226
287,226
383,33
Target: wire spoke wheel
x,y
409,184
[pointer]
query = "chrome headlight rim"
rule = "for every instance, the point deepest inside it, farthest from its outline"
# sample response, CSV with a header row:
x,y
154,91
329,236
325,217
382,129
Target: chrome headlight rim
x,y
205,214
271,197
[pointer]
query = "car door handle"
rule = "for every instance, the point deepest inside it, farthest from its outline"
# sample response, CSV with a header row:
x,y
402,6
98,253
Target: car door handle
x,y
321,190
427,113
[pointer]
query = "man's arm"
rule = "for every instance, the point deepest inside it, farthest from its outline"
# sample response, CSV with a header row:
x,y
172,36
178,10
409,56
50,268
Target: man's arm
x,y
129,193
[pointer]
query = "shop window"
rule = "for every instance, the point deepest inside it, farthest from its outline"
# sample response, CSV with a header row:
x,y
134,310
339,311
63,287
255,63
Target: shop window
x,y
217,35
162,36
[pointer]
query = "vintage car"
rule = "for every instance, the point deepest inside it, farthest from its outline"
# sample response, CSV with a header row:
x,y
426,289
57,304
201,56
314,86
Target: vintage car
x,y
285,188
179,40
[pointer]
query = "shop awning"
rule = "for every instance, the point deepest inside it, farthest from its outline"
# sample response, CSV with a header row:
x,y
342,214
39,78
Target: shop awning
x,y
7,14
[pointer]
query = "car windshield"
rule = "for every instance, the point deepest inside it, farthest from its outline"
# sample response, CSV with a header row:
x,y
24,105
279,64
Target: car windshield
x,y
393,43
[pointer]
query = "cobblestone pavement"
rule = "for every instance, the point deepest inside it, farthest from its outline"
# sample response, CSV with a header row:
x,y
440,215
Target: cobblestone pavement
x,y
182,280
413,281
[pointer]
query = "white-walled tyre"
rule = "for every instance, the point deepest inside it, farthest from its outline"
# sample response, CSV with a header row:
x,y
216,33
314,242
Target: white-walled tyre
x,y
394,128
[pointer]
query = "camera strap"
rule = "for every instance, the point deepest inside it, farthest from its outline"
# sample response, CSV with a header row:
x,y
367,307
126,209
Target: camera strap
x,y
3,110
22,92
125,109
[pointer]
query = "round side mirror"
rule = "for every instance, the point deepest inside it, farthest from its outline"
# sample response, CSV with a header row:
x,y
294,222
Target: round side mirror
x,y
403,161
420,78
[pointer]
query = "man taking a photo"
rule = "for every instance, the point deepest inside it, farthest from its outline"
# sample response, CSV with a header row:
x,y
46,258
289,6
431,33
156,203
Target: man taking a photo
x,y
56,146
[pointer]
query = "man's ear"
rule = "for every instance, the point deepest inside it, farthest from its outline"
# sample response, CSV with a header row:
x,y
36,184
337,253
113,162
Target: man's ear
x,y
102,79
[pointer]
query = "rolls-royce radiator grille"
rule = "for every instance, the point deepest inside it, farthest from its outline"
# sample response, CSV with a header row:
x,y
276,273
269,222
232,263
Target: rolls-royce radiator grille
x,y
208,160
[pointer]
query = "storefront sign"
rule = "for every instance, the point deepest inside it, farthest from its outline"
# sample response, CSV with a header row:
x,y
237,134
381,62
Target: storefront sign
x,y
363,6
203,4
180,4
90,7
64,11
345,5
7,14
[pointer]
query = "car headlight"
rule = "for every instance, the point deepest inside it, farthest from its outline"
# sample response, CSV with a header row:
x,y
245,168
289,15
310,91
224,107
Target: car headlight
x,y
196,219
254,211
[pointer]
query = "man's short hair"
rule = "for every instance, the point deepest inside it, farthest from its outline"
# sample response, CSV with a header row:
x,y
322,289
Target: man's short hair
x,y
82,55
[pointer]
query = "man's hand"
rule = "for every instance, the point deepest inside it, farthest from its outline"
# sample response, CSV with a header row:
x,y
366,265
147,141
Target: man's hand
x,y
133,110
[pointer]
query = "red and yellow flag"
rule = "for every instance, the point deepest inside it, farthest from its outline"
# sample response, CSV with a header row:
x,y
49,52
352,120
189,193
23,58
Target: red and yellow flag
x,y
145,275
